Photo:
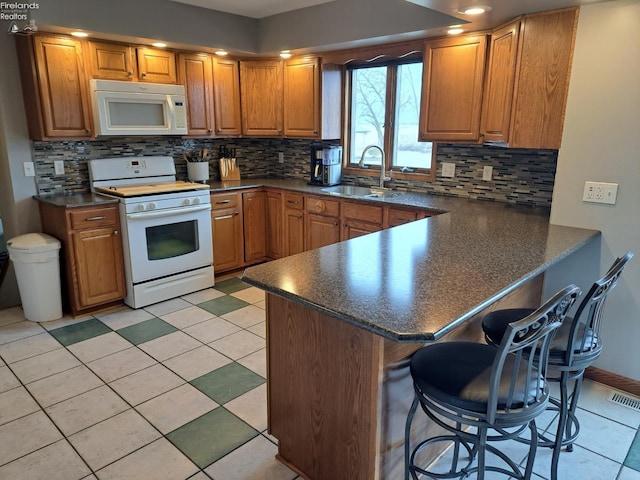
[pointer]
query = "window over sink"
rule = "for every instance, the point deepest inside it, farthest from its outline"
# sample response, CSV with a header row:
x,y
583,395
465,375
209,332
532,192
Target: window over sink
x,y
384,110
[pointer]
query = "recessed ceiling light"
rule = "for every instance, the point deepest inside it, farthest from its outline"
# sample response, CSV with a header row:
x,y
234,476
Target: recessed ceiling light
x,y
455,31
285,54
222,53
474,9
80,34
159,44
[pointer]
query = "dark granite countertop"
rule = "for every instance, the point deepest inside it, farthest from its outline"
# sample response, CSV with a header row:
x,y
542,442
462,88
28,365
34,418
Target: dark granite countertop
x,y
419,281
76,200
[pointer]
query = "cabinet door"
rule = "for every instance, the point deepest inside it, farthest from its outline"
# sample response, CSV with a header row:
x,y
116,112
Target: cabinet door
x,y
498,91
99,260
302,97
274,225
227,239
321,231
254,206
542,79
64,98
261,96
156,65
354,228
452,89
226,91
111,61
293,232
196,74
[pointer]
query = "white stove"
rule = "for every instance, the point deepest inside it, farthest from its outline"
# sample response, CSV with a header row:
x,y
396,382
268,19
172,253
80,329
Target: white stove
x,y
166,225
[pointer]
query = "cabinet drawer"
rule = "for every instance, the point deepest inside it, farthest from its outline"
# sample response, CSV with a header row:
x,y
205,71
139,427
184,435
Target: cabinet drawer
x,y
294,201
224,200
93,218
366,213
399,217
321,206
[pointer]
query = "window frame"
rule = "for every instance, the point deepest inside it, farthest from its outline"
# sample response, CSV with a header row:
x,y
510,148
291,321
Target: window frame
x,y
424,175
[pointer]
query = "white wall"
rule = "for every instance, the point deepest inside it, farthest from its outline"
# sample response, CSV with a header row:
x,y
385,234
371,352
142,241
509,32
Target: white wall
x,y
601,142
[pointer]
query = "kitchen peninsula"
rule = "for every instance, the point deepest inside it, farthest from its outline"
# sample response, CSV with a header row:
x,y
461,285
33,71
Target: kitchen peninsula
x,y
342,321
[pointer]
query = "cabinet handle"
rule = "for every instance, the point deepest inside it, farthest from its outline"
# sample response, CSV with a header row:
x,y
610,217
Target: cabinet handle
x,y
93,219
236,213
116,233
220,202
315,132
293,202
335,224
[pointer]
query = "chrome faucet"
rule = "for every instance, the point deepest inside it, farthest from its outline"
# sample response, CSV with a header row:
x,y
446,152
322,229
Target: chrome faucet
x,y
383,177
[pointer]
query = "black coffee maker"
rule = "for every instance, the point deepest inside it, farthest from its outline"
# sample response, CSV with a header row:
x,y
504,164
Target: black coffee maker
x,y
326,166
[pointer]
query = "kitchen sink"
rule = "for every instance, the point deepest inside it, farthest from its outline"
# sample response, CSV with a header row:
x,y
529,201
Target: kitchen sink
x,y
359,192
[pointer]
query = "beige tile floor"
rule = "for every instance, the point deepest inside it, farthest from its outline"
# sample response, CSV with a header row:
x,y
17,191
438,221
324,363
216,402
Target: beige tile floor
x,y
177,391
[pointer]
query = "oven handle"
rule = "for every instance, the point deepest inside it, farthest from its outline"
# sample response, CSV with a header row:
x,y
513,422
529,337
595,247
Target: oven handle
x,y
167,213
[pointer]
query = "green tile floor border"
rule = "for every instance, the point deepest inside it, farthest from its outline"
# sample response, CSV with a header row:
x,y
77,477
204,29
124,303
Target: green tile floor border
x,y
230,285
222,305
211,436
80,331
228,382
633,456
147,330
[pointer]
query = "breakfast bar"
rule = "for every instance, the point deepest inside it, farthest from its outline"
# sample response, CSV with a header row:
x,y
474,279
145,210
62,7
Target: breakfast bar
x,y
343,320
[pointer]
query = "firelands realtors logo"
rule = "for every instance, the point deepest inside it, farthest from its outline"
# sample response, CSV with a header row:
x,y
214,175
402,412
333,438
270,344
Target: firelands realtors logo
x,y
19,16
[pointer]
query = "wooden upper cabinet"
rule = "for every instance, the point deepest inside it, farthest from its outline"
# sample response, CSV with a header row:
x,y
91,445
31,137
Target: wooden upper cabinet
x,y
312,99
261,88
226,92
112,61
542,78
54,87
195,73
302,97
452,89
156,65
498,90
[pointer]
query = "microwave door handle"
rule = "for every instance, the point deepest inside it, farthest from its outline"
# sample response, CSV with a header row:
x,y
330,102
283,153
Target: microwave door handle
x,y
172,113
167,213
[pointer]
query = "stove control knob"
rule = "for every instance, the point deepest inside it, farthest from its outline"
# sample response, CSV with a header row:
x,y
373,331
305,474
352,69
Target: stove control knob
x,y
186,202
151,206
140,207
196,201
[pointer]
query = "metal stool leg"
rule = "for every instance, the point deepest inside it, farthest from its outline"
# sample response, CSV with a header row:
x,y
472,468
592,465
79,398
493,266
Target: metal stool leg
x,y
562,424
407,436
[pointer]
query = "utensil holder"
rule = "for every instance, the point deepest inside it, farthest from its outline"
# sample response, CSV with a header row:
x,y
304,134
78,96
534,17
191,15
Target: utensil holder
x,y
198,171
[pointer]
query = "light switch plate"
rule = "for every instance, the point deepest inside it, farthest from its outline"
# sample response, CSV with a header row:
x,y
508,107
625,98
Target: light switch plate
x,y
58,167
29,169
449,170
600,192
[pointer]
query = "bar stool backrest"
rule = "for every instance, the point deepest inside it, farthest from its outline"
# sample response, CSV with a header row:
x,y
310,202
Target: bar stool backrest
x,y
524,341
584,334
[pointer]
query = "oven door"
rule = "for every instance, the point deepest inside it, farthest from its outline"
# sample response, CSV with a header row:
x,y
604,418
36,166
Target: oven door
x,y
165,242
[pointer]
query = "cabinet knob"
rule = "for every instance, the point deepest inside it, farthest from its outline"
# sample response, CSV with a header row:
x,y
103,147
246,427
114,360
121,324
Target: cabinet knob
x,y
88,130
236,213
210,130
219,130
130,72
299,217
144,74
315,132
279,131
116,233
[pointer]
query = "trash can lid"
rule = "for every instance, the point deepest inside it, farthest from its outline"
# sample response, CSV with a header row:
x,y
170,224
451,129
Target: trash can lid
x,y
34,242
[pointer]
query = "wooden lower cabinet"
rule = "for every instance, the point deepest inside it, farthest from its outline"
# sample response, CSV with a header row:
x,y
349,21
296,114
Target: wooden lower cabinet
x,y
226,222
274,224
92,258
293,232
254,210
321,231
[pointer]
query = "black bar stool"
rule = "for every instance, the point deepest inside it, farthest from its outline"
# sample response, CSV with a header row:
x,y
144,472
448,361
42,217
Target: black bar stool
x,y
470,388
577,344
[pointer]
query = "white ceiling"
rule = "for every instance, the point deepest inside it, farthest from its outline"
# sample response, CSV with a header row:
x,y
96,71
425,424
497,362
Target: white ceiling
x,y
254,8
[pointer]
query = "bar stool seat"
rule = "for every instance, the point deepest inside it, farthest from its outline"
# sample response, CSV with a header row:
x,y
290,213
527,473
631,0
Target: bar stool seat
x,y
470,389
576,345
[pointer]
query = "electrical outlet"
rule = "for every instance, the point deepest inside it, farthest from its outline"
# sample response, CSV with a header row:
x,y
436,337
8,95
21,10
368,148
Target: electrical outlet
x,y
449,170
29,169
58,167
487,173
600,192
280,157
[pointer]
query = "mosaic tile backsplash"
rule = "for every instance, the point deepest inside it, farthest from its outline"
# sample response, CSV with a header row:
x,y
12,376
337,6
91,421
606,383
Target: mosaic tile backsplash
x,y
519,176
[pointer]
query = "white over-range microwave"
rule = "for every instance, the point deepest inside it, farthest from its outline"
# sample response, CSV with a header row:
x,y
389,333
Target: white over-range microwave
x,y
136,108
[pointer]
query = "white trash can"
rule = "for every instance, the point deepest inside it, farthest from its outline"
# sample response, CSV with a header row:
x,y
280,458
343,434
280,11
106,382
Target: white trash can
x,y
35,257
